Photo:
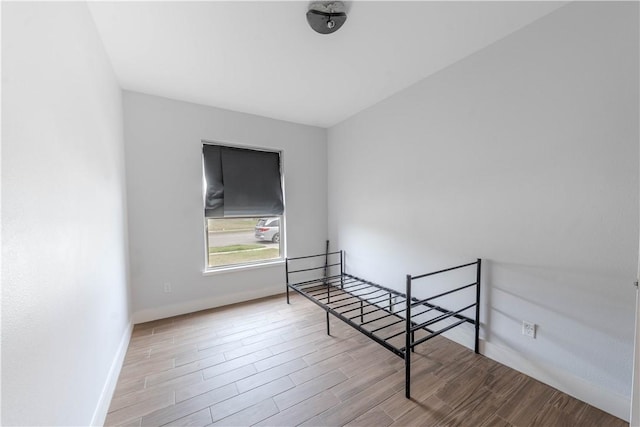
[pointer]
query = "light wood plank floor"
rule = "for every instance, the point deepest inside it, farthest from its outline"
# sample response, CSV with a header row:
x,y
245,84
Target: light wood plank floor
x,y
271,364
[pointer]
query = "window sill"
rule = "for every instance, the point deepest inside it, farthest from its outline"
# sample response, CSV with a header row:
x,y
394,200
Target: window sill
x,y
245,267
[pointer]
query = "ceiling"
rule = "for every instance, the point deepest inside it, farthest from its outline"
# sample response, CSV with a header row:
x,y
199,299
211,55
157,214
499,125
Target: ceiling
x,y
262,57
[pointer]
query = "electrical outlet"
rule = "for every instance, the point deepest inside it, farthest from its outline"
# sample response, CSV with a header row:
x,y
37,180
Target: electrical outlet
x,y
167,287
528,329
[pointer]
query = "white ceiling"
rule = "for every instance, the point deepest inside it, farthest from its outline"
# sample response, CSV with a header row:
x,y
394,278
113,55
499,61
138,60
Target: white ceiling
x,y
262,57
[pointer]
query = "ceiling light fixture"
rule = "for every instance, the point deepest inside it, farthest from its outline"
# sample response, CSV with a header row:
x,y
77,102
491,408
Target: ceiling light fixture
x,y
326,17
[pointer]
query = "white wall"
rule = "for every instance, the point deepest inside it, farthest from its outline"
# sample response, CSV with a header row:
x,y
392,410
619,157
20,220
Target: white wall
x,y
65,296
164,189
524,154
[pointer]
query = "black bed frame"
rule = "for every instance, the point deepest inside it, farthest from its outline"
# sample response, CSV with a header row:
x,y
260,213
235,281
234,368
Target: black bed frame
x,y
351,299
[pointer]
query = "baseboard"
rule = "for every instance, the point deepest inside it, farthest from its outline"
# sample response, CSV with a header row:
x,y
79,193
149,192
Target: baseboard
x,y
592,394
100,414
150,314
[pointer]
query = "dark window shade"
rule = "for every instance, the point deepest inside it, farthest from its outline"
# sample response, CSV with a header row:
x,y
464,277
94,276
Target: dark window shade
x,y
243,182
214,195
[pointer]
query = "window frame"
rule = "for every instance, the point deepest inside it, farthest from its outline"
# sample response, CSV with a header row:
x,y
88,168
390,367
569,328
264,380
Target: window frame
x,y
252,264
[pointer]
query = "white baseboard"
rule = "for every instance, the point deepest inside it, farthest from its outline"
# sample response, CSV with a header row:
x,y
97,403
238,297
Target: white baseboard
x,y
592,394
150,314
100,414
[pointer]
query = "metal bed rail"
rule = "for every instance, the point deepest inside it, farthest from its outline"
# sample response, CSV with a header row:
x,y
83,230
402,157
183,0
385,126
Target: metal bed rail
x,y
377,311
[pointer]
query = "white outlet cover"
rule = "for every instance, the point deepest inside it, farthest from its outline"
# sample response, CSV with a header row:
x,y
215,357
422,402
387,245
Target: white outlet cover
x,y
528,329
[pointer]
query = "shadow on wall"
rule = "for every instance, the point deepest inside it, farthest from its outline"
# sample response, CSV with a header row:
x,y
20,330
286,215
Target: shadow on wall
x,y
583,321
594,300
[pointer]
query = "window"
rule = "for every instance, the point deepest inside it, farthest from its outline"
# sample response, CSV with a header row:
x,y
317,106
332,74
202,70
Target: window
x,y
243,205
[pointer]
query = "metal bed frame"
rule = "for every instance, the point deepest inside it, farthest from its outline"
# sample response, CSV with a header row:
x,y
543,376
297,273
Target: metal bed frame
x,y
395,323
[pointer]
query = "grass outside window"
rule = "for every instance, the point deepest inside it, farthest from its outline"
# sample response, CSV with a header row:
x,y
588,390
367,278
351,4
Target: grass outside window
x,y
234,241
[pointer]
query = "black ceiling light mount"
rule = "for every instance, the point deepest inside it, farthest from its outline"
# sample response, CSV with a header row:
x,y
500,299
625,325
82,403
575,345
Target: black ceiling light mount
x,y
326,17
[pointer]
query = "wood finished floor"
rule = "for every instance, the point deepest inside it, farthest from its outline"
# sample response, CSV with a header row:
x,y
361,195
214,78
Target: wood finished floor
x,y
267,363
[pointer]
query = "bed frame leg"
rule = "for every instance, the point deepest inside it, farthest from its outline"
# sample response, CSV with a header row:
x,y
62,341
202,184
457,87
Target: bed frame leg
x,y
361,312
407,373
286,270
413,338
477,319
328,331
341,271
408,335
